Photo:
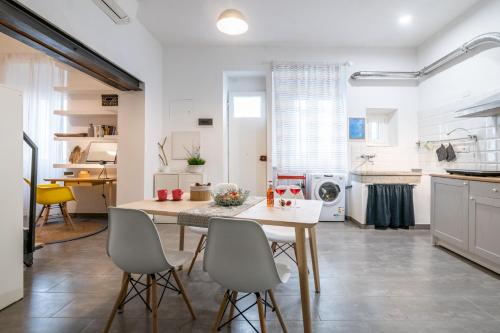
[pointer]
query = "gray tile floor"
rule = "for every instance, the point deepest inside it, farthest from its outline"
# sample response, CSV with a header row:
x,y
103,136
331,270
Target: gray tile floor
x,y
372,281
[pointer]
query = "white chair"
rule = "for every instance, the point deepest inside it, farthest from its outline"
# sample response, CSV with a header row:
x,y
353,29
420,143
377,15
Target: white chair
x,y
238,257
283,238
136,248
201,244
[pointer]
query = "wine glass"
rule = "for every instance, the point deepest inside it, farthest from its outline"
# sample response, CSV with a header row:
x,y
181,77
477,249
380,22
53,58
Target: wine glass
x,y
295,189
281,189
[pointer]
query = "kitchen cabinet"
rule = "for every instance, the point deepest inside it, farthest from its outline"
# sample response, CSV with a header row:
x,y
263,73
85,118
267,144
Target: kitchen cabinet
x,y
449,210
465,218
176,180
484,220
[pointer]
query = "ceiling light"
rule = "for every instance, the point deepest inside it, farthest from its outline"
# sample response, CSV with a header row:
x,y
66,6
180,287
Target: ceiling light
x,y
405,19
232,22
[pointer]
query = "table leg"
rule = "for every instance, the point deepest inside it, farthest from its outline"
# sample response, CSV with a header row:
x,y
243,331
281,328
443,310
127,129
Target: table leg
x,y
300,241
314,257
110,194
181,241
181,238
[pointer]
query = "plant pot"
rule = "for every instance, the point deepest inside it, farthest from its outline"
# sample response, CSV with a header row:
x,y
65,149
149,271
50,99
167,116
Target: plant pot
x,y
195,168
163,168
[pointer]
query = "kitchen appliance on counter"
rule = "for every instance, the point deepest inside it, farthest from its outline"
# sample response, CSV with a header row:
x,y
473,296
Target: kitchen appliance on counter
x,y
329,188
476,173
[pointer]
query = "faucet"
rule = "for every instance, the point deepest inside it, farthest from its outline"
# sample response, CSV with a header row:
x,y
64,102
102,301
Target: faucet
x,y
368,157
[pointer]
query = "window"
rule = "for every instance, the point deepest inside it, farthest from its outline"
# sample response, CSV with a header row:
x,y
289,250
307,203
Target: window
x,y
381,127
247,105
309,129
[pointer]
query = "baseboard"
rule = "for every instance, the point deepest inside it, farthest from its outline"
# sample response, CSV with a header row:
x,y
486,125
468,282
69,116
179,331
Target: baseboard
x,y
366,226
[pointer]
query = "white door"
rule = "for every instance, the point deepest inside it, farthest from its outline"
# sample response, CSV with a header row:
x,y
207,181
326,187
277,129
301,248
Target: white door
x,y
11,197
247,141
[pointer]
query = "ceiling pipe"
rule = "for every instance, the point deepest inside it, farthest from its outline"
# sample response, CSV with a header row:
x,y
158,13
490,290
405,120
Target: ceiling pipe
x,y
492,38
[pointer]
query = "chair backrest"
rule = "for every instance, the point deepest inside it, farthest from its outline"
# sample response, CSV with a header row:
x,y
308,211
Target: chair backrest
x,y
238,256
133,242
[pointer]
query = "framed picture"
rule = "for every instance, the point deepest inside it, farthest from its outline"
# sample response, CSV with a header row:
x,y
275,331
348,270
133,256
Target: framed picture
x,y
356,128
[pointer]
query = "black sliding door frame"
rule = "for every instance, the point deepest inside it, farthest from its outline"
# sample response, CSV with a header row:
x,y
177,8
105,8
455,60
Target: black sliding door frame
x,y
28,27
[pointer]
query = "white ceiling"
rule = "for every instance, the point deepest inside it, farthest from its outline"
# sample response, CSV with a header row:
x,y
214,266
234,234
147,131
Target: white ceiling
x,y
341,23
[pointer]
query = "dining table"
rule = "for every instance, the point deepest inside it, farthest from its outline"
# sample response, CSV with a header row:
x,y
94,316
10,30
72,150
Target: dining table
x,y
303,218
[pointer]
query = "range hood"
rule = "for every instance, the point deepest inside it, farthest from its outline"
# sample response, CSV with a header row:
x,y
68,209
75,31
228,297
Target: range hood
x,y
483,108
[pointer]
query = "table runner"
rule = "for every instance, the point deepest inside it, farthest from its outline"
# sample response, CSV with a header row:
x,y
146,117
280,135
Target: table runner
x,y
198,217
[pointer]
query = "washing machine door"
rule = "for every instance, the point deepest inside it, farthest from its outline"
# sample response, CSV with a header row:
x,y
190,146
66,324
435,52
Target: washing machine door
x,y
328,191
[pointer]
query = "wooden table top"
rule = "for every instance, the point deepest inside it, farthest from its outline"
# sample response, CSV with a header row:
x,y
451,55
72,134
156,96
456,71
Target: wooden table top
x,y
307,215
82,179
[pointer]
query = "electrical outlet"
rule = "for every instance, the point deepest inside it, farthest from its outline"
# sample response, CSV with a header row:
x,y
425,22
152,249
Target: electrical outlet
x,y
462,149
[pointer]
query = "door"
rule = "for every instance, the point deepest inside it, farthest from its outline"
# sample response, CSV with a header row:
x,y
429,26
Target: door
x,y
484,220
449,211
11,197
247,143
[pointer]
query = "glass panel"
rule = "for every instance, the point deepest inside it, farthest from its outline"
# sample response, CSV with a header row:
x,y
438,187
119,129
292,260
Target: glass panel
x,y
247,106
329,192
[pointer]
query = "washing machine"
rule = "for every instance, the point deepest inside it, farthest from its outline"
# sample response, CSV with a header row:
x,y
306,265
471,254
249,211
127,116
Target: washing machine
x,y
329,188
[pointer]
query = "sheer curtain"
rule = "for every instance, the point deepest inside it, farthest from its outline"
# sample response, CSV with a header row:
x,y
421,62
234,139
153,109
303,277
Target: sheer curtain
x,y
36,76
309,117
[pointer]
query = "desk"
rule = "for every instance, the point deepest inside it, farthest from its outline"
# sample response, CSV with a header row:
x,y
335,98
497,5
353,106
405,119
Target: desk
x,y
302,218
90,181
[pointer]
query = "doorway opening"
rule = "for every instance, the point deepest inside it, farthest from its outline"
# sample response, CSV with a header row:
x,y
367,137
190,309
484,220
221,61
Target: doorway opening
x,y
246,114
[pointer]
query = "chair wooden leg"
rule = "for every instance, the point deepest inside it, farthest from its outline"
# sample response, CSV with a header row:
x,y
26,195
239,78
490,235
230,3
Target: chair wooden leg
x,y
314,258
122,306
277,310
67,217
40,215
274,245
262,315
148,292
198,250
220,313
183,292
154,305
234,297
295,251
119,299
46,217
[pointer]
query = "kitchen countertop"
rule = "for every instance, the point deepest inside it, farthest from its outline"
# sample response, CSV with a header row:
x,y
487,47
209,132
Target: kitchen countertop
x,y
385,173
461,177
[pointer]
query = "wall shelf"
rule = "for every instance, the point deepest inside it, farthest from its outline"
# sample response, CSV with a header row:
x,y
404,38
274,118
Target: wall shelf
x,y
83,166
110,138
103,113
83,91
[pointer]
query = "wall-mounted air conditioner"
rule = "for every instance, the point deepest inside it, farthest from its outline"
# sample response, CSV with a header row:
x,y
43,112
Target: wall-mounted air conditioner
x,y
114,12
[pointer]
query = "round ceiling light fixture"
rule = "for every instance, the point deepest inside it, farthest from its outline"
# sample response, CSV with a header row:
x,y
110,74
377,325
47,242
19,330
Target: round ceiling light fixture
x,y
232,22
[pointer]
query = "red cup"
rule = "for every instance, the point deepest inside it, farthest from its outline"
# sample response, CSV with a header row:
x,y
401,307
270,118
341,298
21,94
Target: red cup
x,y
177,194
162,195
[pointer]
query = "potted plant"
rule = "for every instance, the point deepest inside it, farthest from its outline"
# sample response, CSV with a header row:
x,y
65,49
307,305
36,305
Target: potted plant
x,y
194,160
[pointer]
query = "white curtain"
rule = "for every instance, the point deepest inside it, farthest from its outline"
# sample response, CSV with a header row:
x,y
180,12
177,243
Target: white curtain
x,y
309,117
36,76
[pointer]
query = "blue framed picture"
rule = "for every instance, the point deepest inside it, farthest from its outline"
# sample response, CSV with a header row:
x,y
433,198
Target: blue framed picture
x,y
356,128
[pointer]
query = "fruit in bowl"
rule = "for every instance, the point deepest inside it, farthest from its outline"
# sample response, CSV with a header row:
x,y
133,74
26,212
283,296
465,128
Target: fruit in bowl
x,y
229,195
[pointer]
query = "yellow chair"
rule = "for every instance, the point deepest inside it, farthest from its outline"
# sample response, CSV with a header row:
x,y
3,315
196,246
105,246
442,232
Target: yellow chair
x,y
53,194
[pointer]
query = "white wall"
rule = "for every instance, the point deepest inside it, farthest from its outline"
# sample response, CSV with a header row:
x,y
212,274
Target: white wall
x,y
196,73
11,197
455,87
133,48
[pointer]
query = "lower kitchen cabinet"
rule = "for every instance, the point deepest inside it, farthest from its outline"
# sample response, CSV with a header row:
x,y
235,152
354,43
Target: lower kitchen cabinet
x,y
484,220
449,211
465,218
